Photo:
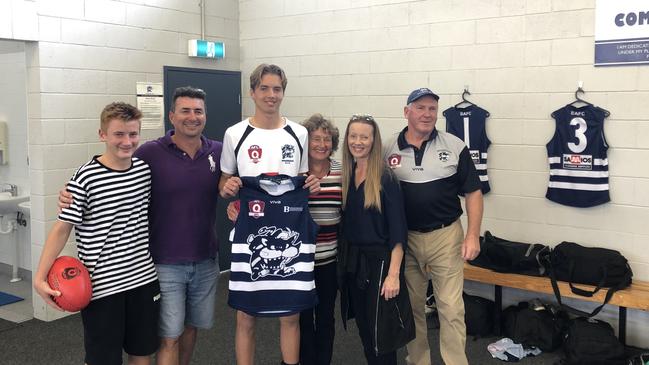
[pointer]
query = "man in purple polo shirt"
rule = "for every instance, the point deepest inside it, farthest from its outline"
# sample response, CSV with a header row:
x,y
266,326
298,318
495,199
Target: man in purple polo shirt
x,y
185,171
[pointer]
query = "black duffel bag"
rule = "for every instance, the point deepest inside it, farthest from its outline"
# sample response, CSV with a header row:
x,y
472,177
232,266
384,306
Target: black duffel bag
x,y
535,324
506,256
593,342
478,315
599,267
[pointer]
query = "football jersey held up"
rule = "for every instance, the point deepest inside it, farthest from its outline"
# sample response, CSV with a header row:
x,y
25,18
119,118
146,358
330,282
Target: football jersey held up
x,y
273,248
577,157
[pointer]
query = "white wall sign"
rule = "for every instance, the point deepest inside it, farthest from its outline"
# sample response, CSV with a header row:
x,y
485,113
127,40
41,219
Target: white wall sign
x,y
621,32
151,102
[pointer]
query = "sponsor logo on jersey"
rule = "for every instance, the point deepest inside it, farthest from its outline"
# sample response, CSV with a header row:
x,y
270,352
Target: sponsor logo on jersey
x,y
443,155
288,153
256,208
275,201
254,152
394,160
475,156
577,162
288,209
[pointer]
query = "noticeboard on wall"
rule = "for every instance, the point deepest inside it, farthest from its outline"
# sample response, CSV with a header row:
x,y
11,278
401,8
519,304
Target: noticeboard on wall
x,y
150,101
621,32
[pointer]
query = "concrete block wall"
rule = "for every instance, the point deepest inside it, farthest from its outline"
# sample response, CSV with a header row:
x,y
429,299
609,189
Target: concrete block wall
x,y
520,59
86,54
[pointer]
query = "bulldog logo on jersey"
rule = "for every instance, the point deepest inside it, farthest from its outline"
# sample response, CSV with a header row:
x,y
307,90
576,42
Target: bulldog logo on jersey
x,y
254,152
288,153
272,249
256,208
444,155
394,160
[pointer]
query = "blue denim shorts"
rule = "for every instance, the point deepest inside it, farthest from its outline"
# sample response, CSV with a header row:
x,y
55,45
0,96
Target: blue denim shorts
x,y
188,293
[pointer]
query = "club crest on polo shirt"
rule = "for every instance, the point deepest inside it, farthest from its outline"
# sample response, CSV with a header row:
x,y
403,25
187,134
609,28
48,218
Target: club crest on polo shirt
x,y
288,153
394,160
256,208
443,155
254,152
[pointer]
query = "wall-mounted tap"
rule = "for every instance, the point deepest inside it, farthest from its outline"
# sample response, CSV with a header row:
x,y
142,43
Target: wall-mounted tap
x,y
11,188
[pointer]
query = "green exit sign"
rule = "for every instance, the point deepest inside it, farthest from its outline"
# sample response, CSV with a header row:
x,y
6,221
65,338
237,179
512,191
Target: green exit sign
x,y
205,49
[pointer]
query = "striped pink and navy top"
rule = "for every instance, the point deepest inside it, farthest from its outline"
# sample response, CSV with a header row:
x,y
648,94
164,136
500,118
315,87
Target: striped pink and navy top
x,y
325,208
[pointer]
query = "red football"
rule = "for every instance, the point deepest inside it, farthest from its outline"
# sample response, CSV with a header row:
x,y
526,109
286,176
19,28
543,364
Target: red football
x,y
69,276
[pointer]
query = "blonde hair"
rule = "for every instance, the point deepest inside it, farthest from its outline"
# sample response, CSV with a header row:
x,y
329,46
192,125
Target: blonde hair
x,y
375,164
263,69
118,110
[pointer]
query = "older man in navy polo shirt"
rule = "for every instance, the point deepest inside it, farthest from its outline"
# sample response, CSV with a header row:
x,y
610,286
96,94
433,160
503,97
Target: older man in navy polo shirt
x,y
434,167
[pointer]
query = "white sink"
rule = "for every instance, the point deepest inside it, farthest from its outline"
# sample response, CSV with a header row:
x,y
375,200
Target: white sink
x,y
9,204
25,207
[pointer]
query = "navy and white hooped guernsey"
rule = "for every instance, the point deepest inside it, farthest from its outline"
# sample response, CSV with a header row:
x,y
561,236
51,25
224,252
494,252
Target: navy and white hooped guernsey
x,y
469,125
577,157
273,248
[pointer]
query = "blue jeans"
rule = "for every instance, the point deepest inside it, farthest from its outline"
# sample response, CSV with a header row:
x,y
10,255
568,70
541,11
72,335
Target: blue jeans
x,y
188,293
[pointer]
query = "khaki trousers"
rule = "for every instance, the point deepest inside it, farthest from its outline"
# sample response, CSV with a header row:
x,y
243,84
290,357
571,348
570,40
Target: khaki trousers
x,y
437,255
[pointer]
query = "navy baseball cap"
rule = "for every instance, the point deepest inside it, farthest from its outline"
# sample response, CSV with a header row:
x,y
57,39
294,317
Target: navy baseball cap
x,y
418,93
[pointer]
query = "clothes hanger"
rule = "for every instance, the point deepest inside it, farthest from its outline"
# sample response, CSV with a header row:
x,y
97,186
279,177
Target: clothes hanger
x,y
465,101
580,90
464,94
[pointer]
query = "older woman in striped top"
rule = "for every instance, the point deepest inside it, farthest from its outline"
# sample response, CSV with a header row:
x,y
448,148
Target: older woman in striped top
x,y
317,324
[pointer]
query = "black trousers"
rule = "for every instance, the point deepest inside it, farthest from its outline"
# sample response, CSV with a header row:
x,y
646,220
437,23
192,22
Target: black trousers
x,y
317,326
358,300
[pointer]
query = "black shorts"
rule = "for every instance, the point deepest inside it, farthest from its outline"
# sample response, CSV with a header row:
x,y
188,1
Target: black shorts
x,y
126,320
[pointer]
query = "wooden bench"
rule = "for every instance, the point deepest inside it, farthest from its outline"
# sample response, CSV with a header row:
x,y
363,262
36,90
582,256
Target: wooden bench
x,y
635,296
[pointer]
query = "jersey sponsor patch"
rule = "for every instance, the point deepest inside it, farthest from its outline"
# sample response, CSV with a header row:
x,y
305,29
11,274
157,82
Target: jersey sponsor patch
x,y
475,156
256,208
577,162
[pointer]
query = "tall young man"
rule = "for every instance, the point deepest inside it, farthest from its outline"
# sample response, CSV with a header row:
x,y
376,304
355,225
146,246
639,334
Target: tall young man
x,y
265,143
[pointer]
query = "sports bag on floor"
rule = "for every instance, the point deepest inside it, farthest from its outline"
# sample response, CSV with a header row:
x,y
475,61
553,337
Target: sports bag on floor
x,y
593,342
535,324
506,256
600,267
478,315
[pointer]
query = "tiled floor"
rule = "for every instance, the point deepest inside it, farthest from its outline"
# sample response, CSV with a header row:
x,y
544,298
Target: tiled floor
x,y
20,311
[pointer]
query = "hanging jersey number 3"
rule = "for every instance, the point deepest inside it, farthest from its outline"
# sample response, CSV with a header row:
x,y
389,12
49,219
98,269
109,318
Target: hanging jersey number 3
x,y
578,162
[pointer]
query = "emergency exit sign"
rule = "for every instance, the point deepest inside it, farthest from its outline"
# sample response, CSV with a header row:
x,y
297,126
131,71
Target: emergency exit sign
x,y
205,49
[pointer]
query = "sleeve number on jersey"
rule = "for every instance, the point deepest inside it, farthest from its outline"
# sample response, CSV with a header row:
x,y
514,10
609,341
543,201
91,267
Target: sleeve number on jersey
x,y
579,134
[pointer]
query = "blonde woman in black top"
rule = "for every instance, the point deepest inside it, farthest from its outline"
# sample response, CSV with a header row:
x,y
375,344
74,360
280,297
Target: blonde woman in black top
x,y
375,232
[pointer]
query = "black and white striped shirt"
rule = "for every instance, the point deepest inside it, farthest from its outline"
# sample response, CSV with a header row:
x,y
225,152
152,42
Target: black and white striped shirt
x,y
109,213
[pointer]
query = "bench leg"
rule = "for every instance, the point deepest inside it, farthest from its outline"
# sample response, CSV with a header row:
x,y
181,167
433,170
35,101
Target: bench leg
x,y
622,325
498,299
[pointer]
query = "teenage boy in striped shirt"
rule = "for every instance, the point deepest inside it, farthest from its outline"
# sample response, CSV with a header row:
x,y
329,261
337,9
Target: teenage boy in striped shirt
x,y
110,213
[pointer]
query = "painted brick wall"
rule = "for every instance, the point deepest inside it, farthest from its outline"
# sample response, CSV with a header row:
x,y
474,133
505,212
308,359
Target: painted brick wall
x,y
520,59
90,53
